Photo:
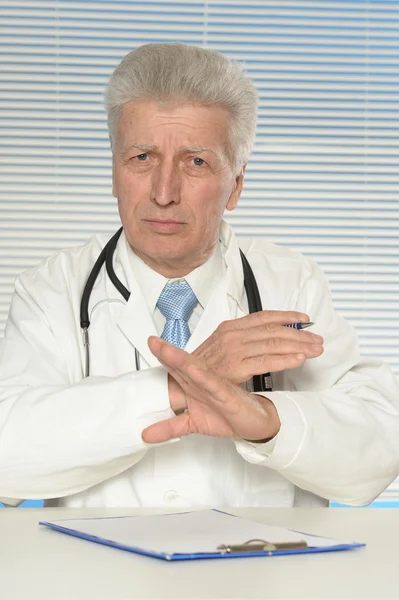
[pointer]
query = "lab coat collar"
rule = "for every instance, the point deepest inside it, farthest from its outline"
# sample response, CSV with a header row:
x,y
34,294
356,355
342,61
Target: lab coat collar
x,y
234,270
202,279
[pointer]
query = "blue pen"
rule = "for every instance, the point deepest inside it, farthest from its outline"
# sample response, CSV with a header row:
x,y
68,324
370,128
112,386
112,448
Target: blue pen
x,y
266,378
300,325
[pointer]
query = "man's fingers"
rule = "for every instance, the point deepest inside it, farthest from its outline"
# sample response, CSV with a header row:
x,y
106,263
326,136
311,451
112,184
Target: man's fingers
x,y
273,364
265,317
178,362
216,388
155,344
258,360
278,346
166,353
174,359
272,330
166,430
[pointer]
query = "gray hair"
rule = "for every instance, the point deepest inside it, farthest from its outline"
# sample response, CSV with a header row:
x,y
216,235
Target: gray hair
x,y
178,72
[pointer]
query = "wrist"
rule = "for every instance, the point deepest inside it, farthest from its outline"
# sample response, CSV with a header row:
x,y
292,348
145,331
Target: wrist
x,y
274,423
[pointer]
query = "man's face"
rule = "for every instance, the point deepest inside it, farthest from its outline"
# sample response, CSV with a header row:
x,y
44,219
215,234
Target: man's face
x,y
173,179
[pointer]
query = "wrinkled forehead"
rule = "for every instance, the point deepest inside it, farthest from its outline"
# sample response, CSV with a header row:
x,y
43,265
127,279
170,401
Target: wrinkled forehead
x,y
147,123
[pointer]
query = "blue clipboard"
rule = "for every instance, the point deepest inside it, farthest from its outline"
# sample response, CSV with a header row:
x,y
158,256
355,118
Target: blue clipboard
x,y
86,529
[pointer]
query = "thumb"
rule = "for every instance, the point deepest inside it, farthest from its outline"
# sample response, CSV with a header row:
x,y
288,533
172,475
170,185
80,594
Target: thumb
x,y
167,430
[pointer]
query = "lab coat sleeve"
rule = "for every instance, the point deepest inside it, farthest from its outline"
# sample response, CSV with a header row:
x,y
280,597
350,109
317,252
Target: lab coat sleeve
x,y
339,435
58,436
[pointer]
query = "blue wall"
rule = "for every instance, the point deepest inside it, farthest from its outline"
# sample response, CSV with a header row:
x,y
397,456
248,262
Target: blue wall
x,y
376,504
28,504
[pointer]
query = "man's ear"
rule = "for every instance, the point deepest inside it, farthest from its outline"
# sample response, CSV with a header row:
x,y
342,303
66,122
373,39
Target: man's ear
x,y
236,193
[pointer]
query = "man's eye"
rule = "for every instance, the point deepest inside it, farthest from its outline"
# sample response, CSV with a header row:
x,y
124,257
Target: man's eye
x,y
142,157
198,162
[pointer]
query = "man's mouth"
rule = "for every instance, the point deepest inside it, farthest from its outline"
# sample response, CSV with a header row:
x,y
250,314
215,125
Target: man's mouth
x,y
167,226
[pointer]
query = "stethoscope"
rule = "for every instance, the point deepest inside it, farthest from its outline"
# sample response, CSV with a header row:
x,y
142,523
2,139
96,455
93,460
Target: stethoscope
x,y
261,383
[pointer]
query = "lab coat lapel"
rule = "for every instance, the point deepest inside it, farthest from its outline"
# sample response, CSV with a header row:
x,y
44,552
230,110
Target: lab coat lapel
x,y
216,311
228,299
135,320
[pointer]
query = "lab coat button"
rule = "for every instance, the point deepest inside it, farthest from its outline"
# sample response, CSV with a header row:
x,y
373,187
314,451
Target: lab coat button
x,y
171,495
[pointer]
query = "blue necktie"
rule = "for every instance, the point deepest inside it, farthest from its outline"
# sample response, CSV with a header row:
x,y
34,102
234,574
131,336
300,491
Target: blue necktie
x,y
176,303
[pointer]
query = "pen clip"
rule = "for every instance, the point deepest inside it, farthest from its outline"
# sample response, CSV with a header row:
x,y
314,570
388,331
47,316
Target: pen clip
x,y
258,545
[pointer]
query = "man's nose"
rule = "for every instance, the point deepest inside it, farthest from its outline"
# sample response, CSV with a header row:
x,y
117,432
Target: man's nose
x,y
166,185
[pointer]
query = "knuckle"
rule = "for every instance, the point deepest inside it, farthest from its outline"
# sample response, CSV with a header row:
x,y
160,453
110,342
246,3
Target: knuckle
x,y
295,346
308,338
267,315
231,336
297,359
273,344
271,328
266,361
264,314
223,327
226,337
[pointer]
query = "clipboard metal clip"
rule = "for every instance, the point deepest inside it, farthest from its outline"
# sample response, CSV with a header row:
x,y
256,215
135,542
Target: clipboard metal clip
x,y
257,545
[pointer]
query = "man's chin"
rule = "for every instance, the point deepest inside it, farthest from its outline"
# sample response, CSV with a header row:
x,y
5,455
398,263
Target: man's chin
x,y
163,257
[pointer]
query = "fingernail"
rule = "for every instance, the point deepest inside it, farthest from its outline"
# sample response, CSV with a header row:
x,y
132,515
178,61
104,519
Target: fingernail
x,y
300,356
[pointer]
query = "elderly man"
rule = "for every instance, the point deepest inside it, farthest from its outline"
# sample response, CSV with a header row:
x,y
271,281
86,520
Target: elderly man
x,y
133,419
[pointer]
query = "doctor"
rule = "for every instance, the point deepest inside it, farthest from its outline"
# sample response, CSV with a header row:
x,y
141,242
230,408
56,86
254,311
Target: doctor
x,y
157,423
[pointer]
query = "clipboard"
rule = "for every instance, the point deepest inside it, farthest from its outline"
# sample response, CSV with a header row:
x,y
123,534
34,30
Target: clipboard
x,y
202,534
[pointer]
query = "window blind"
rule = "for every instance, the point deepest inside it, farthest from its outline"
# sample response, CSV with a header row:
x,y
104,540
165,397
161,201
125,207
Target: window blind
x,y
323,177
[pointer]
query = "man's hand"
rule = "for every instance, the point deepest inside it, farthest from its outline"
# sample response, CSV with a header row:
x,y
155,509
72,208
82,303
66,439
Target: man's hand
x,y
258,343
213,405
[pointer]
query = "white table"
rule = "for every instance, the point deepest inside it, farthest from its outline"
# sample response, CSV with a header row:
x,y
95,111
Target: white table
x,y
37,563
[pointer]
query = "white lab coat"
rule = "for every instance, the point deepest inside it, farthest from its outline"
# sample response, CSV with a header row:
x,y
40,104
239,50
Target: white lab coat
x,y
77,442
